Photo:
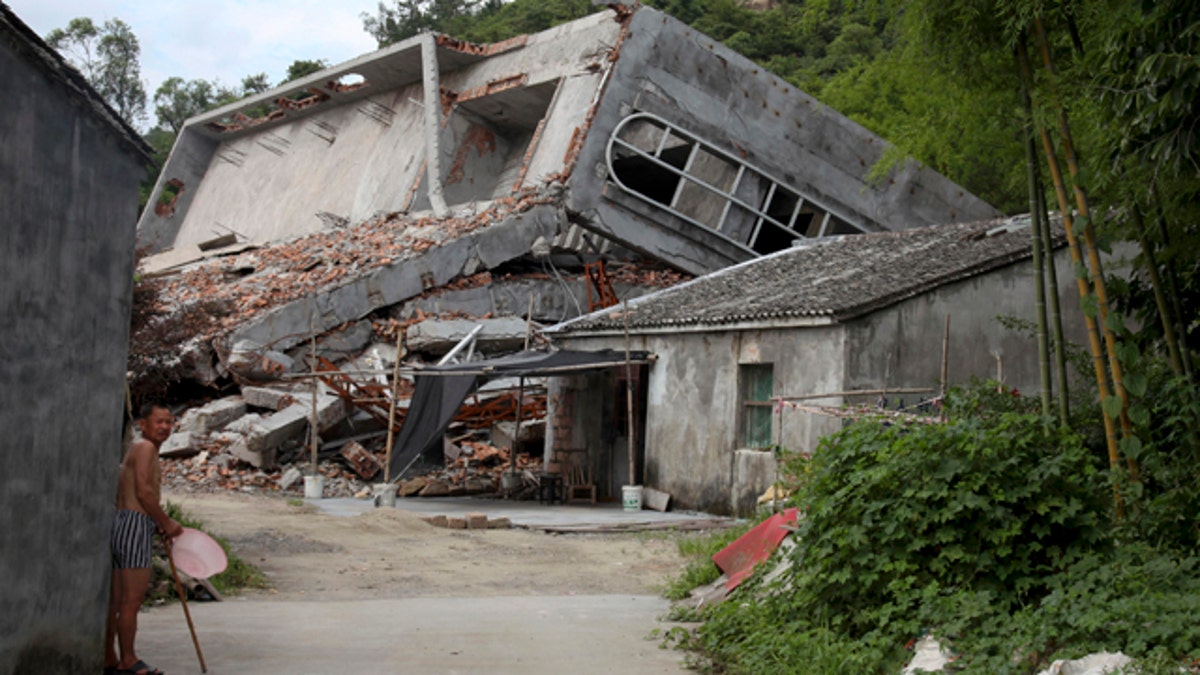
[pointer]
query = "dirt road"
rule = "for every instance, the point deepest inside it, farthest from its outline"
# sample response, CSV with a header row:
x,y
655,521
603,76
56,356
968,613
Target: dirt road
x,y
384,592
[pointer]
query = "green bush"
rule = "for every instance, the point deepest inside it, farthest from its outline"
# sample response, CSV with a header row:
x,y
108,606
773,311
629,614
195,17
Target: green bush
x,y
897,515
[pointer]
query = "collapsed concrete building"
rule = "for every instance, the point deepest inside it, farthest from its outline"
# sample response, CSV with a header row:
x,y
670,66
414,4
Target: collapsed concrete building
x,y
439,180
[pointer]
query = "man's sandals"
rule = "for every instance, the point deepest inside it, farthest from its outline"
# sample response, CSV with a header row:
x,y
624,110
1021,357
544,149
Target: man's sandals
x,y
139,668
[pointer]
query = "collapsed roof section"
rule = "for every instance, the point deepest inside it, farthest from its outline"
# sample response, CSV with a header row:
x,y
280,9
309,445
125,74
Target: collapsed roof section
x,y
663,140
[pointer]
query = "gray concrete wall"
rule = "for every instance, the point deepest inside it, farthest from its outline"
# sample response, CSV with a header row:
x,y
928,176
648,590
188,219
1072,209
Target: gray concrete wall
x,y
692,435
904,342
68,204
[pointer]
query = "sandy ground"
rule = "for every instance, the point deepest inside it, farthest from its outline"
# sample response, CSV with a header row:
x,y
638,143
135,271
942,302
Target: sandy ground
x,y
389,553
384,592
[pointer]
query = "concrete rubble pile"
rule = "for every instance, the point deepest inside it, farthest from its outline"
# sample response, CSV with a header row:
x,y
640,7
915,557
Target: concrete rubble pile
x,y
258,440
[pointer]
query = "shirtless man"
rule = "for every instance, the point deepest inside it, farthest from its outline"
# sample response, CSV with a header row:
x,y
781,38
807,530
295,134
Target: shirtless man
x,y
138,516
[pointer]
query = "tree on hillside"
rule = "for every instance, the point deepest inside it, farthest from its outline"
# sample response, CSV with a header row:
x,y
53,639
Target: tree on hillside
x,y
107,56
473,20
301,68
177,100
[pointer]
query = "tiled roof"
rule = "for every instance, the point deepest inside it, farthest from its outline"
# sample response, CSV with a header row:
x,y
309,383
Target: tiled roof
x,y
836,278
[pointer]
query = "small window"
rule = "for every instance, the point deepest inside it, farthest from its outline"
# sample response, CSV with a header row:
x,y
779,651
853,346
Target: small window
x,y
757,387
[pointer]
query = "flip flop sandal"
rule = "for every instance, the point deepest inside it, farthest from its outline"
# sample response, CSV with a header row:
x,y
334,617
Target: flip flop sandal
x,y
140,668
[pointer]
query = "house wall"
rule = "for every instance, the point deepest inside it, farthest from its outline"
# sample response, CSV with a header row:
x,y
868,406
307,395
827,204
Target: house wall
x,y
68,204
692,432
901,345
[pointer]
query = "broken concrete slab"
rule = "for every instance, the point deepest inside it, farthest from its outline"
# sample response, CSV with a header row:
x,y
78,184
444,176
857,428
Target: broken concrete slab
x,y
182,444
438,336
339,345
268,397
289,478
250,360
242,425
213,416
287,325
503,434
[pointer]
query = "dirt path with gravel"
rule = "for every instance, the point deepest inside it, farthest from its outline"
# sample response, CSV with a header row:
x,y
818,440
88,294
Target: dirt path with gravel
x,y
390,553
384,592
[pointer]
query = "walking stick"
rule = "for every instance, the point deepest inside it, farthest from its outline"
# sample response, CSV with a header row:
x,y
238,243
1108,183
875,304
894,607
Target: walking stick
x,y
183,601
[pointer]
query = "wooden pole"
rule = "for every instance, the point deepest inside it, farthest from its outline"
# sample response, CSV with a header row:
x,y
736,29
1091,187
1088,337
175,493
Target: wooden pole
x,y
183,601
512,461
391,434
315,388
945,364
629,400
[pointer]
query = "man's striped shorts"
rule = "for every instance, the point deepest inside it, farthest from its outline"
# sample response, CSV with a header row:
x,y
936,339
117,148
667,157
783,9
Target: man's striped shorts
x,y
132,535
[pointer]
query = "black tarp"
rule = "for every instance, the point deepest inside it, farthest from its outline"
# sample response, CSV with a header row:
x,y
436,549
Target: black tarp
x,y
442,389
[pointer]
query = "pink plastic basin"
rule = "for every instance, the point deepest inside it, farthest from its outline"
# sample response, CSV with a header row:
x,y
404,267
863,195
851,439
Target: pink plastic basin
x,y
198,554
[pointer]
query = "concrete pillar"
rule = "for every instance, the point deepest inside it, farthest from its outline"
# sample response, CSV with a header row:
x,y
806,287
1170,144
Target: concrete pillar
x,y
433,125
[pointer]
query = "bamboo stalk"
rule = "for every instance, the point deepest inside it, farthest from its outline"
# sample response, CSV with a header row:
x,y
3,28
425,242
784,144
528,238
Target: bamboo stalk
x,y
1093,253
1060,342
1060,193
1160,300
1173,293
1039,281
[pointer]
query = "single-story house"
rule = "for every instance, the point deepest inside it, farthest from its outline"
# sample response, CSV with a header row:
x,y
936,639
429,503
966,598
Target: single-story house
x,y
848,314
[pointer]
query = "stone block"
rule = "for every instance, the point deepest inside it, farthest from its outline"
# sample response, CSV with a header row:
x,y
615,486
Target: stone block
x,y
268,397
251,361
289,478
477,521
499,524
273,431
436,521
242,425
181,444
260,458
456,523
213,415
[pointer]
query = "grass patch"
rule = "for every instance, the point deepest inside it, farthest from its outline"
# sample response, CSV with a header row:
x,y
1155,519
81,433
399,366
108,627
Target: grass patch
x,y
698,550
238,575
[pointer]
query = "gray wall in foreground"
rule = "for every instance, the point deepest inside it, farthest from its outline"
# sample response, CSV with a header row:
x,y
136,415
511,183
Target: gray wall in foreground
x,y
68,205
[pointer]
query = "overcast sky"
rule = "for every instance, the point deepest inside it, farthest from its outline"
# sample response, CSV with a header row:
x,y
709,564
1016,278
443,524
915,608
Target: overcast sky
x,y
221,40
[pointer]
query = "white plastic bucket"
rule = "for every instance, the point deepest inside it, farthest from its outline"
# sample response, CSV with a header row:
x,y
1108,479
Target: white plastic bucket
x,y
631,497
314,487
385,494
